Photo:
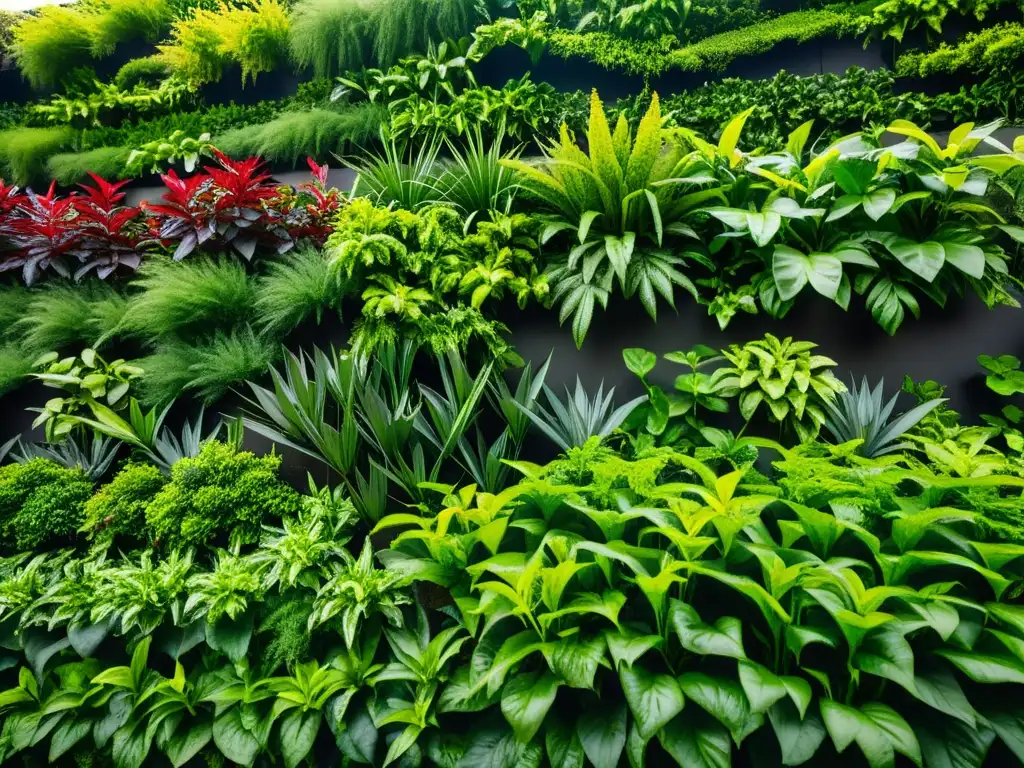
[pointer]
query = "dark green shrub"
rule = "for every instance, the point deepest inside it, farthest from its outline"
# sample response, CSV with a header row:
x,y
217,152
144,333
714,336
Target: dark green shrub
x,y
119,507
221,491
40,501
53,513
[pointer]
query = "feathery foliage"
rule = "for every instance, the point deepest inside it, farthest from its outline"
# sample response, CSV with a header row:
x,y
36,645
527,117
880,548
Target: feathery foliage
x,y
190,299
50,43
332,36
15,365
296,135
294,288
69,168
63,315
24,152
120,20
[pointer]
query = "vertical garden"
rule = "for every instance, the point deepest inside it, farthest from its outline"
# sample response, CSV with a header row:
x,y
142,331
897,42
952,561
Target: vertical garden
x,y
289,474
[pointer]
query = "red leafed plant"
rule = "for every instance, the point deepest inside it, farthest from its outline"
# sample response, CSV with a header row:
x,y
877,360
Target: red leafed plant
x,y
42,232
47,232
109,235
231,201
309,210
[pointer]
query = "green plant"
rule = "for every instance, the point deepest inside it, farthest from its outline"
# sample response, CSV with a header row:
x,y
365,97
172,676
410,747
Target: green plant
x,y
61,315
894,18
24,152
118,509
693,391
15,366
620,201
68,168
50,43
858,414
389,179
94,458
148,71
220,492
228,359
994,48
646,19
572,423
293,289
93,389
189,300
8,21
715,53
253,35
332,37
795,385
53,514
1004,375
118,20
477,182
151,156
40,503
838,105
296,135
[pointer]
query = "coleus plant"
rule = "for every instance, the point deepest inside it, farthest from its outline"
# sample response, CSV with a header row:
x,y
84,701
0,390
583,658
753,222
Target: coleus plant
x,y
229,202
48,232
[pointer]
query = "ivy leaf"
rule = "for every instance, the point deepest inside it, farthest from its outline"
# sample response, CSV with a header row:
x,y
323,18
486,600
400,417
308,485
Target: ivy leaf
x,y
792,270
725,638
949,743
233,739
798,738
298,732
724,700
923,259
563,744
187,742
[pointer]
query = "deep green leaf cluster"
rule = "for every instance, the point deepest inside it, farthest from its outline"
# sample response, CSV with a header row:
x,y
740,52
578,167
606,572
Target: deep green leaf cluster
x,y
221,491
41,504
118,509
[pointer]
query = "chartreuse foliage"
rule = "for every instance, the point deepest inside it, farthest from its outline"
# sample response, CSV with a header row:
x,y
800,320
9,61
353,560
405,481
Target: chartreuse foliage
x,y
422,276
995,48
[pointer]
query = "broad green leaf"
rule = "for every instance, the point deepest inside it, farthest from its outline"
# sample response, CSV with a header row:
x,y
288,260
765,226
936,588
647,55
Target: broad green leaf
x,y
724,638
654,698
526,700
696,742
602,732
798,738
724,700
